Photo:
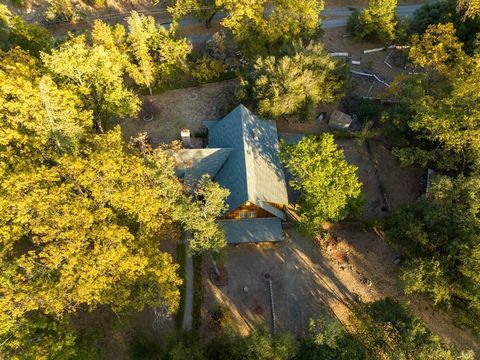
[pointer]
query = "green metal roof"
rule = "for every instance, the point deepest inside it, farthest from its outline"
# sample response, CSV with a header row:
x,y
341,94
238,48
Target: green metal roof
x,y
242,156
253,171
252,230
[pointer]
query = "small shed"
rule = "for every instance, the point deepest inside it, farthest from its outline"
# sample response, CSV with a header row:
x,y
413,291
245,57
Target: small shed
x,y
340,120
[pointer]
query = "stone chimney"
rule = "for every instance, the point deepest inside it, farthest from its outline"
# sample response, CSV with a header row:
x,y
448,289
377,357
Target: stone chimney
x,y
187,140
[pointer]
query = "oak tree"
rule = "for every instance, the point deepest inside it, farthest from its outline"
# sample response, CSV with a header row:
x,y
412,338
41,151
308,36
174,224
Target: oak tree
x,y
329,185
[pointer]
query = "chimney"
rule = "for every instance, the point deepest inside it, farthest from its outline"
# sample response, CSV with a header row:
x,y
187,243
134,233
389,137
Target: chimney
x,y
187,141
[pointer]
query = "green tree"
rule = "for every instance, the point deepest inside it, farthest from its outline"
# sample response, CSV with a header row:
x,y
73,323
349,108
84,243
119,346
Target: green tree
x,y
155,54
202,10
14,31
440,233
444,12
259,26
470,7
377,21
438,50
388,331
329,340
293,83
96,74
440,120
39,337
39,120
110,37
201,219
329,186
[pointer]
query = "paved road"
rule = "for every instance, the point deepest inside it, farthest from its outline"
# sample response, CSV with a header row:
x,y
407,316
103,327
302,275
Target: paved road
x,y
332,17
341,15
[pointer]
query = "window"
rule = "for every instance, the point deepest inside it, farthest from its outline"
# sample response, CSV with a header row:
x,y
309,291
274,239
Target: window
x,y
252,214
242,214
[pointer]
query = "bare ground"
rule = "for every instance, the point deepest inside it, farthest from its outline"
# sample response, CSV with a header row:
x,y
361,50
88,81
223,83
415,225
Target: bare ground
x,y
308,282
183,108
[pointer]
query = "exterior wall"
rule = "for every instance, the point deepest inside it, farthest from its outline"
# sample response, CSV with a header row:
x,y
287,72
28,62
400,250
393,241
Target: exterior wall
x,y
249,211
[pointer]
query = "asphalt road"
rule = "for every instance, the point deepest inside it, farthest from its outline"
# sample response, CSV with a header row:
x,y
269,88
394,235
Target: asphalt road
x,y
331,18
336,17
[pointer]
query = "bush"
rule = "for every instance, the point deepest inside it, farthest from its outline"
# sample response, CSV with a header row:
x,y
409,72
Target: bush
x,y
142,347
207,69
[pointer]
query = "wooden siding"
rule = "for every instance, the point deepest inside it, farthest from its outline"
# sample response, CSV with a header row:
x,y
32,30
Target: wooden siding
x,y
245,210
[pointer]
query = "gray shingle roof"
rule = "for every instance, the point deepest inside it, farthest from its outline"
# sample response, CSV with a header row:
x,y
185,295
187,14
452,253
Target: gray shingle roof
x,y
252,230
253,171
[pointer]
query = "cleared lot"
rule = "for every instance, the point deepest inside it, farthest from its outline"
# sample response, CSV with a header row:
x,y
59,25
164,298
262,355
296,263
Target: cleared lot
x,y
303,286
182,108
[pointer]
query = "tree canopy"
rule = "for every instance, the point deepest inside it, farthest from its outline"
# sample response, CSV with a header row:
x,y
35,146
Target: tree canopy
x,y
261,25
377,21
294,82
440,233
14,31
82,214
330,189
438,114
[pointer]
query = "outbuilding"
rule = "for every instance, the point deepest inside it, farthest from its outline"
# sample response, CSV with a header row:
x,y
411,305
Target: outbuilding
x,y
340,121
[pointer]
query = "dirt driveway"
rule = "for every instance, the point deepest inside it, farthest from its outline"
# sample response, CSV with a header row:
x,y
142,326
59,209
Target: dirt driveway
x,y
182,108
308,281
303,286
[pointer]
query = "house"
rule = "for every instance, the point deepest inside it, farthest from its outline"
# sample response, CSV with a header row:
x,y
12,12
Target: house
x,y
340,120
242,156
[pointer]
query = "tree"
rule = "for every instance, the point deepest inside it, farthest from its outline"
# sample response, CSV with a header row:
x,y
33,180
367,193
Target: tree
x,y
441,123
330,189
154,53
438,50
41,337
440,233
203,10
209,205
39,120
293,83
378,21
470,7
14,31
388,331
444,12
97,75
261,25
329,340
110,37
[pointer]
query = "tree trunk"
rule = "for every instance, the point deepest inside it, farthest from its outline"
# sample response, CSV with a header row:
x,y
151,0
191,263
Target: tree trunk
x,y
215,268
99,125
208,22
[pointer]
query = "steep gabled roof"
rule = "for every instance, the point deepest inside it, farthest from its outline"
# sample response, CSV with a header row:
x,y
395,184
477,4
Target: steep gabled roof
x,y
193,163
253,171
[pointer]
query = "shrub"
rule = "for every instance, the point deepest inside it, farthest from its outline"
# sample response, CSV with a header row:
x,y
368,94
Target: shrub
x,y
207,69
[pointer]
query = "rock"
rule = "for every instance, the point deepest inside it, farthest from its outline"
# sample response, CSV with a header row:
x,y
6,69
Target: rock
x,y
397,261
246,289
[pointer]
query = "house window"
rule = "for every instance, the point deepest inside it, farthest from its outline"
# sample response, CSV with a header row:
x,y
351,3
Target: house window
x,y
252,214
242,214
